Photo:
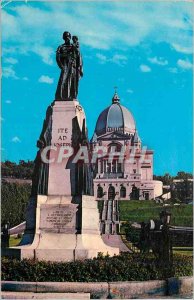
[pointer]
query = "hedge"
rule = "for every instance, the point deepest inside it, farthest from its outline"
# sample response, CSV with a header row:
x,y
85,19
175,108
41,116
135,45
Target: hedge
x,y
124,267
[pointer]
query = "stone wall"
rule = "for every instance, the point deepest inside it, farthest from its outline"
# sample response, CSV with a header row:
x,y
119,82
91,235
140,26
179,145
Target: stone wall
x,y
182,286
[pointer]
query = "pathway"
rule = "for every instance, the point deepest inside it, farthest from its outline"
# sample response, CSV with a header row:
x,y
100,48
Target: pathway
x,y
114,240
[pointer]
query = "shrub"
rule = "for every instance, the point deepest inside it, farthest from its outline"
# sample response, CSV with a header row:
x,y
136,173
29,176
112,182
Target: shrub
x,y
132,233
124,267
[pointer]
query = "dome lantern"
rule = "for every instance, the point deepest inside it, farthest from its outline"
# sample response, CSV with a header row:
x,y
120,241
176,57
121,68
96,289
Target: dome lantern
x,y
115,98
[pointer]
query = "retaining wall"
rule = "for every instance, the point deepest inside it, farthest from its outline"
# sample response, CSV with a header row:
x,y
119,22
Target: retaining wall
x,y
123,290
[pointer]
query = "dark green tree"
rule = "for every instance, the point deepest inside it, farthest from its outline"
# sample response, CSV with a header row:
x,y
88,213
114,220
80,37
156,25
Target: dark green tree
x,y
14,199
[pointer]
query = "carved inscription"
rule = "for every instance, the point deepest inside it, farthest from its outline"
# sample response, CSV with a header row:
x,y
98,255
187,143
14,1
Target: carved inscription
x,y
58,218
63,136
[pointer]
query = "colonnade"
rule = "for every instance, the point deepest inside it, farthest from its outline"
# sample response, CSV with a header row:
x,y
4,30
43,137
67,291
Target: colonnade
x,y
104,166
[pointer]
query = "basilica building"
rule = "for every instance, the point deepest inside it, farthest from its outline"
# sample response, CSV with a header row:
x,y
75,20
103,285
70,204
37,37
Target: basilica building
x,y
125,171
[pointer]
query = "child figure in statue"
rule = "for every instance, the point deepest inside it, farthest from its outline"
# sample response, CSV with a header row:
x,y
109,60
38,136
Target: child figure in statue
x,y
69,60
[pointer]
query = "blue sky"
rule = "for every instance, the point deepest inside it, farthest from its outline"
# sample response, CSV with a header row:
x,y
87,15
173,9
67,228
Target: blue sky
x,y
143,48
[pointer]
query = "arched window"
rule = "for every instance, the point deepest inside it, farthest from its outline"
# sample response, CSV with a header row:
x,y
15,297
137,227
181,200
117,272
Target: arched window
x,y
111,193
123,192
114,147
134,193
99,192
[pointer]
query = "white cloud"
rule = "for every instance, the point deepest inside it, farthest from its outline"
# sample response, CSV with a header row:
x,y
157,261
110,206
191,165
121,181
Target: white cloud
x,y
102,58
46,53
173,70
46,79
8,101
16,139
130,91
118,59
158,61
184,64
183,49
145,68
9,72
115,26
10,60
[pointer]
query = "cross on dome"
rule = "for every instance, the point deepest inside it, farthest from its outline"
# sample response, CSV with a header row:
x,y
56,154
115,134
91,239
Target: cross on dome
x,y
115,98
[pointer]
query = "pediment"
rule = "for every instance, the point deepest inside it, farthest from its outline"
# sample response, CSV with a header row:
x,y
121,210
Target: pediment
x,y
114,136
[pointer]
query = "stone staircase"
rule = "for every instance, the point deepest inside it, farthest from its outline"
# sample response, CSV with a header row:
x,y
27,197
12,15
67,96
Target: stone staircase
x,y
110,217
110,225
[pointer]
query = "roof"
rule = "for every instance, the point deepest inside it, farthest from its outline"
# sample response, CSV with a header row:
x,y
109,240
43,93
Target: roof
x,y
115,117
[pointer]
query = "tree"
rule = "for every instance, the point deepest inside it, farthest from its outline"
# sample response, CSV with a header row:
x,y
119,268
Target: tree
x,y
14,199
183,175
22,170
166,178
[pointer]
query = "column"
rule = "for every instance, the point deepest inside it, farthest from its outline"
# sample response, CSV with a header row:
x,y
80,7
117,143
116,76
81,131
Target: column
x,y
122,167
99,167
106,166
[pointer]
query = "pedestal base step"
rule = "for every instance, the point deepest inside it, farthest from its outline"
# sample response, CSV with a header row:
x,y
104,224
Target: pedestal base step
x,y
27,295
62,247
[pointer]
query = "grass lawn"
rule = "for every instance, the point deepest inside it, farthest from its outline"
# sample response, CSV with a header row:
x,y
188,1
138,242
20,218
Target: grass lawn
x,y
138,211
188,251
13,241
185,253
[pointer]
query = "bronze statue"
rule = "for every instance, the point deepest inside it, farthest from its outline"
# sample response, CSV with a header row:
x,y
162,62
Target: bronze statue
x,y
69,60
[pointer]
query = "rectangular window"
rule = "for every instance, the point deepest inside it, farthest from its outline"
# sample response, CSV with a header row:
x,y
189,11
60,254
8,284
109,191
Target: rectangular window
x,y
114,166
101,166
109,168
119,168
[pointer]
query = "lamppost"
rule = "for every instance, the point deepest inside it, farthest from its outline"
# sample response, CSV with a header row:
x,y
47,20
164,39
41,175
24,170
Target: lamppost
x,y
165,217
156,235
166,258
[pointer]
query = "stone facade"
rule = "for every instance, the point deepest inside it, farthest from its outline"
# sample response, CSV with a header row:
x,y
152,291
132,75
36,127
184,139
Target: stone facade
x,y
126,171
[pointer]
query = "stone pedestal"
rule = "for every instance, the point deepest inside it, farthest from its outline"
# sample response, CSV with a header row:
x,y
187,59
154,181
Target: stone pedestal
x,y
65,114
63,225
56,238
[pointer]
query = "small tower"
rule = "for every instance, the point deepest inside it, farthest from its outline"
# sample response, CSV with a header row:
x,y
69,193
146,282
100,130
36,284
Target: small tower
x,y
136,140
